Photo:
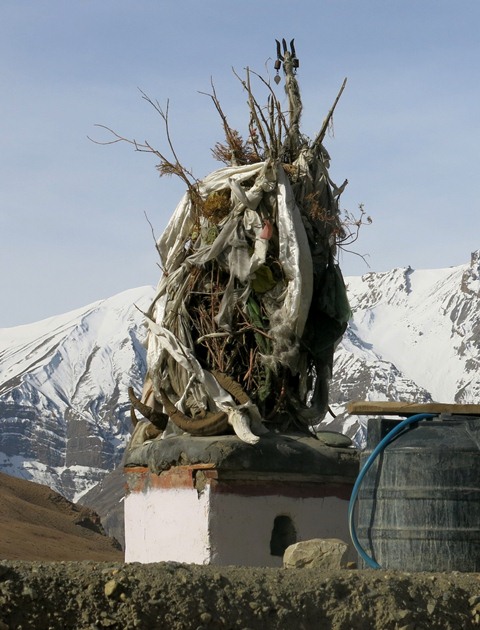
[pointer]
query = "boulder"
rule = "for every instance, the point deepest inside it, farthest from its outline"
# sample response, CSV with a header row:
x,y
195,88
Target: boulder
x,y
318,553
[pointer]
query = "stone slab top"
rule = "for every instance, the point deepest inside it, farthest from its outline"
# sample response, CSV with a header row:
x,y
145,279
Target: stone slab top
x,y
394,408
274,454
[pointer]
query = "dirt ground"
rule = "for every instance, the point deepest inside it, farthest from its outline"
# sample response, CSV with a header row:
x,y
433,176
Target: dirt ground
x,y
171,596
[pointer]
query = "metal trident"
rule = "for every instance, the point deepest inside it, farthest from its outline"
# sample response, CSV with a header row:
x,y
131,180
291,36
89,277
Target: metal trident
x,y
288,55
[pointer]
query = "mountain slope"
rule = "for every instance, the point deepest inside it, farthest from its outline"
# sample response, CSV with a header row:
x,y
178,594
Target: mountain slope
x,y
414,336
426,322
36,523
63,392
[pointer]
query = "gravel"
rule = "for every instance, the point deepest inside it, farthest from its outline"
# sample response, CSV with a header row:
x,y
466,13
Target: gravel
x,y
173,596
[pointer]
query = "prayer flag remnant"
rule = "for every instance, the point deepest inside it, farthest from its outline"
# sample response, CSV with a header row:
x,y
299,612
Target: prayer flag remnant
x,y
251,302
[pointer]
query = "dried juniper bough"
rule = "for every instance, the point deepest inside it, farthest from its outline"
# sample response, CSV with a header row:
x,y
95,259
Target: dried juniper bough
x,y
251,303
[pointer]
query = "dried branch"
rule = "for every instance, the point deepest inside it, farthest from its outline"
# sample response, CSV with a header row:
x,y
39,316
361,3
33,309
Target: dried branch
x,y
155,240
351,226
255,111
321,134
232,136
282,122
164,115
270,89
166,166
258,110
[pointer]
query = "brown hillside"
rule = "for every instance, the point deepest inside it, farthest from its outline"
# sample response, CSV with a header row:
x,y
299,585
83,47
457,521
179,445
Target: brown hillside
x,y
37,523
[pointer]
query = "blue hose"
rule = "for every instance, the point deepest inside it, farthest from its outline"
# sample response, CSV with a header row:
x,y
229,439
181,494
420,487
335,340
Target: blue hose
x,y
391,435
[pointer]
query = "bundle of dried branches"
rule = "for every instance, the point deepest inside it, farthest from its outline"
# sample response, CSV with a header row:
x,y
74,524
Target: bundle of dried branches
x,y
283,368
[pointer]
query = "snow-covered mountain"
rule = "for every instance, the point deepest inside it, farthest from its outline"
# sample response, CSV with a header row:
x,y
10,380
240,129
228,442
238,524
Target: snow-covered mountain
x,y
414,336
64,415
64,410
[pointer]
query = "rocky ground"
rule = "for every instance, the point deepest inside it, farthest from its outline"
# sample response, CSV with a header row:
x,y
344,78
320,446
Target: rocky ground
x,y
171,596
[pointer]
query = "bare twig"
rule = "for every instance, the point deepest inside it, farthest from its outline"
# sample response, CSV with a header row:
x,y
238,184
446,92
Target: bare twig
x,y
118,138
166,166
258,110
255,111
230,135
164,115
280,115
153,236
326,122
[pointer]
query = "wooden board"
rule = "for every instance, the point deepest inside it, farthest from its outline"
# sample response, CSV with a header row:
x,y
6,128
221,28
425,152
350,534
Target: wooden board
x,y
394,408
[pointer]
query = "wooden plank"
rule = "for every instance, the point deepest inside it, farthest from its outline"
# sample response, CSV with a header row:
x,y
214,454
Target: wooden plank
x,y
395,408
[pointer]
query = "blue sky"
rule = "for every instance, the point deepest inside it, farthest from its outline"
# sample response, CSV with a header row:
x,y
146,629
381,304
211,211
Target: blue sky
x,y
72,213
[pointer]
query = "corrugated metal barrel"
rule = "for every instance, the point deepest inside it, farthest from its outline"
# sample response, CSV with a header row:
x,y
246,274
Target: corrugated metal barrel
x,y
419,504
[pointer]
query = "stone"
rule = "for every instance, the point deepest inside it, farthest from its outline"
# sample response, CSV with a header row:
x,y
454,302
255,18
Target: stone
x,y
111,588
318,553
